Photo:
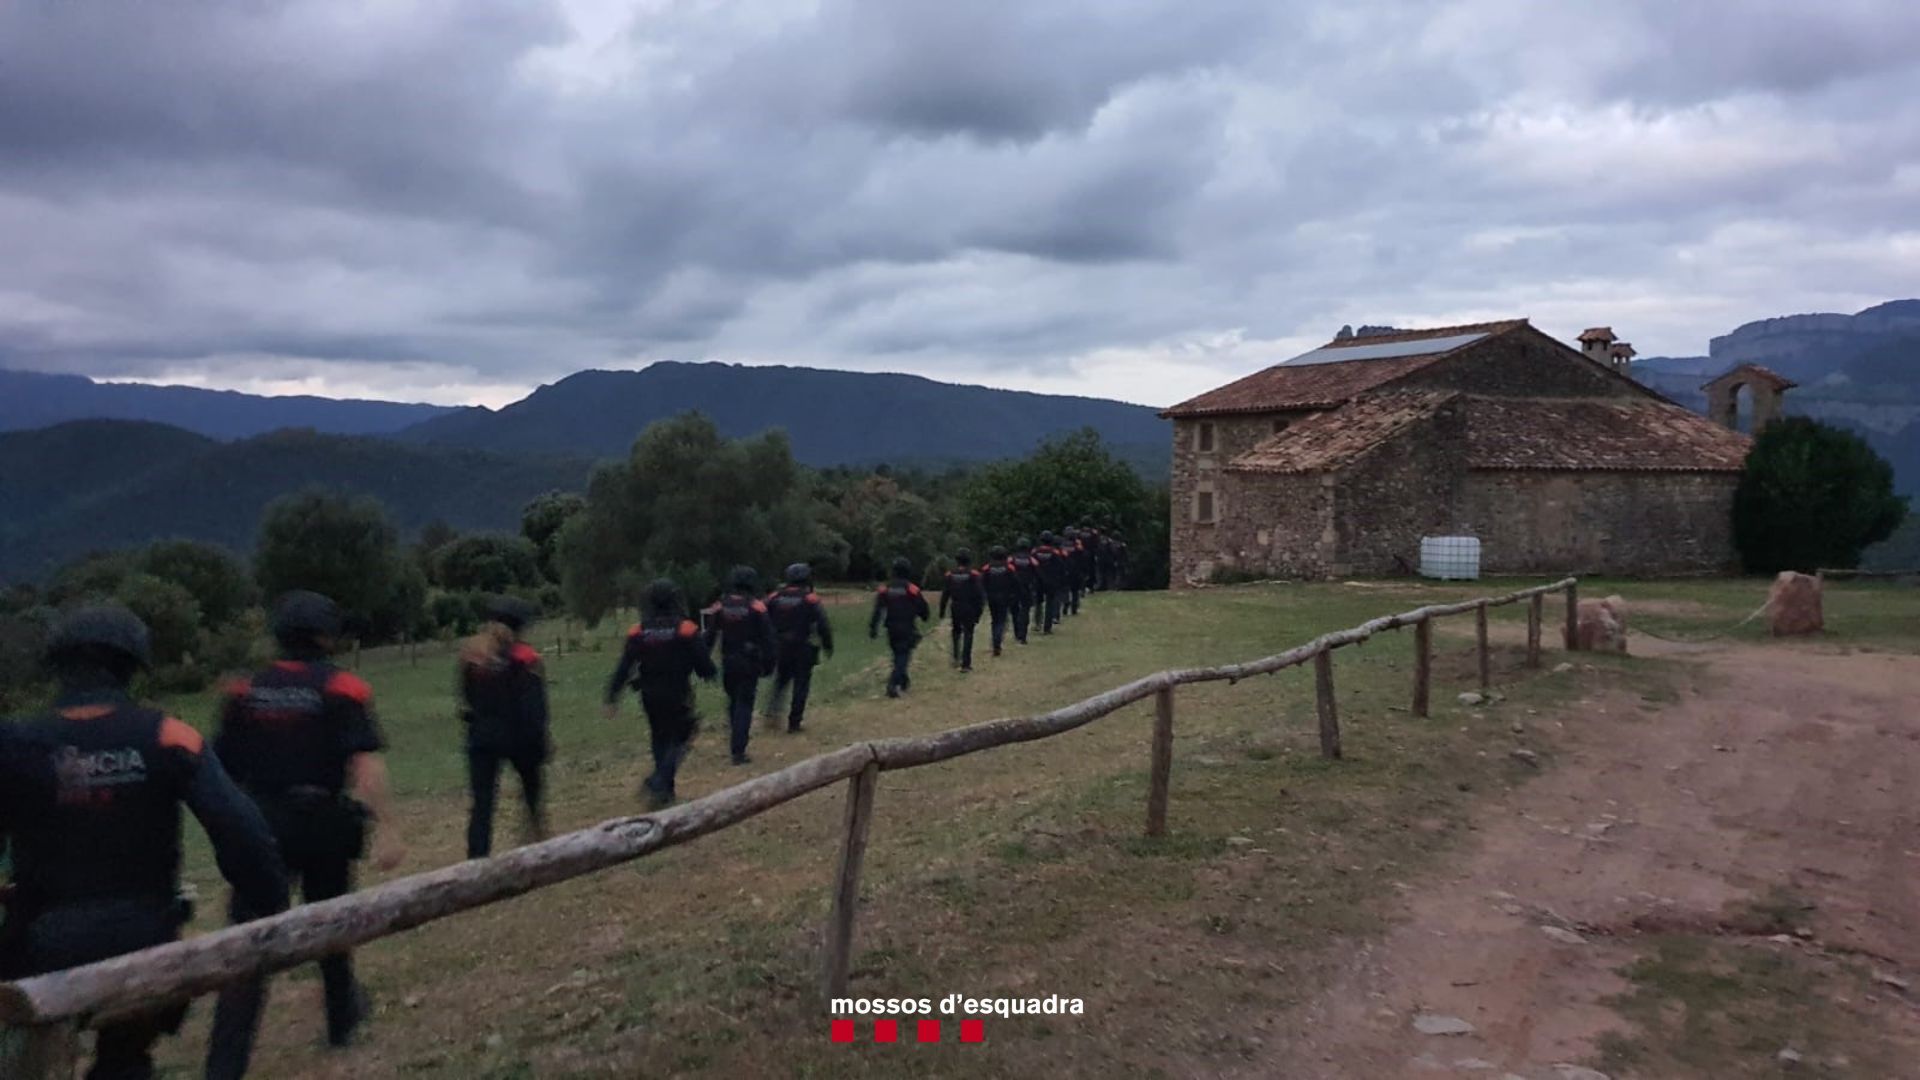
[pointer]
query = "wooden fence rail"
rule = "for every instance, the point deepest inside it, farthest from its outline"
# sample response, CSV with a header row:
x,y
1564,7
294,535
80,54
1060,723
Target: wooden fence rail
x,y
55,1006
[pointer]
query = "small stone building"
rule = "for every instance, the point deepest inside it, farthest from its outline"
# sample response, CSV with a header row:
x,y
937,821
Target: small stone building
x,y
1338,462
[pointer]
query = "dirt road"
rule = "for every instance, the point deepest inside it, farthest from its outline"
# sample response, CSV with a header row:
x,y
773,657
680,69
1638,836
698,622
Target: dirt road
x,y
1656,900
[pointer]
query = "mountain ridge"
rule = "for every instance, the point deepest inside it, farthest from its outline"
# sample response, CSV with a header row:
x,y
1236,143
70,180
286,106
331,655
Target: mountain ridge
x,y
33,399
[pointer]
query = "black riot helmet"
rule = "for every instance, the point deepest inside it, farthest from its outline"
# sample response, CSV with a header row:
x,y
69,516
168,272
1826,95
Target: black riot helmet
x,y
743,578
302,618
663,597
1046,538
1023,544
799,574
102,636
902,568
996,553
511,612
963,557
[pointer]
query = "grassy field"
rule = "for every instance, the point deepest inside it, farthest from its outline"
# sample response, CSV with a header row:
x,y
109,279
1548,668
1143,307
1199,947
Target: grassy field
x,y
1019,872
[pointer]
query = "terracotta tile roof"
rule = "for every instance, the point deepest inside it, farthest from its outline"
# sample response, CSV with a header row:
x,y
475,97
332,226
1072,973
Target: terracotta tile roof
x,y
1610,434
1331,439
1322,384
1779,381
1597,333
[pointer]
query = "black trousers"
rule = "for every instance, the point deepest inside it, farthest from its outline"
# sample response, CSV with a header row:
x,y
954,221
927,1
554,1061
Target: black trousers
x,y
741,678
1022,618
483,780
1051,615
236,1018
999,611
793,669
902,646
76,934
963,640
670,721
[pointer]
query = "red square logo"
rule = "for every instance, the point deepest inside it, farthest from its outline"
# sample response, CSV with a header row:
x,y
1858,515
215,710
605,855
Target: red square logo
x,y
842,1031
973,1031
886,1031
929,1031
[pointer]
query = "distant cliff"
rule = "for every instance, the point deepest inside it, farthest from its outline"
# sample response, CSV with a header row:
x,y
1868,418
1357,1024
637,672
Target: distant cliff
x,y
1799,346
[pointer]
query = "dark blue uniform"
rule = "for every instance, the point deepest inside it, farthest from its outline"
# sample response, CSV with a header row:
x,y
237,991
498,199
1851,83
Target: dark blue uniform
x,y
1006,596
90,797
661,657
968,599
901,606
503,694
739,624
798,616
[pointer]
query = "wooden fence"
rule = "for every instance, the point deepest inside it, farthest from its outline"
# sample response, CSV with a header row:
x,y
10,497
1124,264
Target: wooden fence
x,y
53,1008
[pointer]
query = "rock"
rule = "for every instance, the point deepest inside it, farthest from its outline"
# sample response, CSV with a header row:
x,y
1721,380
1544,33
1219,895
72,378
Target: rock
x,y
412,1001
1793,605
1525,756
1601,625
1894,981
495,1042
1562,668
1784,939
1788,1058
1239,841
1517,728
1471,698
1432,1024
1578,1072
1475,1065
1563,935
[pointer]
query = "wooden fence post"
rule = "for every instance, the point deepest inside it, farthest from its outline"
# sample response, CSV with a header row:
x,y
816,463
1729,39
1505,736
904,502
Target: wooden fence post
x,y
846,893
1162,762
1536,615
1573,618
1422,664
1486,653
49,1053
1329,712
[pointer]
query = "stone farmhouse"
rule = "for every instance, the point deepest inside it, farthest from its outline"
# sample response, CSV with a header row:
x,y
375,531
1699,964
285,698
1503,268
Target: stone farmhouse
x,y
1338,462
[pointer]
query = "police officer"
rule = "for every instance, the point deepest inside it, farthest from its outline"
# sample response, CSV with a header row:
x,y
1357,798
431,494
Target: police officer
x,y
1119,561
739,623
1051,565
964,592
90,797
1103,561
301,738
1032,590
1004,590
1070,550
662,655
900,605
798,615
503,695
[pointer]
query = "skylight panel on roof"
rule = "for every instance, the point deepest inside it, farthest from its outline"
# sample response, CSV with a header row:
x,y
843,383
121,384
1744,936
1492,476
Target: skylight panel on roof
x,y
1387,350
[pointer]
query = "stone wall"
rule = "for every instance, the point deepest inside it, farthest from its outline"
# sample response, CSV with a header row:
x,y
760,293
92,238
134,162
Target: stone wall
x,y
1195,546
1397,493
1521,364
1282,526
1600,522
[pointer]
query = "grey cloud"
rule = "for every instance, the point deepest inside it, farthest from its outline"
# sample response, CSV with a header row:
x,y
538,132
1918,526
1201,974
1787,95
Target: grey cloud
x,y
997,185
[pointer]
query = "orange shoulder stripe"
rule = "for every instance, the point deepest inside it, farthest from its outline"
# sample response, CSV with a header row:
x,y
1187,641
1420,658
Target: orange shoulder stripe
x,y
177,735
689,628
348,685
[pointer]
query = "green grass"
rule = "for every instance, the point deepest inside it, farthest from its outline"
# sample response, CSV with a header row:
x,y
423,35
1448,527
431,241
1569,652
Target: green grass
x,y
1021,871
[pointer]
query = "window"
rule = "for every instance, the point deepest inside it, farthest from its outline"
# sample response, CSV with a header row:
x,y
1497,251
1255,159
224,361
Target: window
x,y
1203,507
1203,439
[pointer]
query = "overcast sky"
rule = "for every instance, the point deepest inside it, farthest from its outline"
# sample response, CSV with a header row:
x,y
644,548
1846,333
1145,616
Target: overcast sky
x,y
456,201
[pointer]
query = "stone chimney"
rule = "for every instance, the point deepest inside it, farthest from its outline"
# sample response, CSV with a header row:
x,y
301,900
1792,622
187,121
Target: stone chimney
x,y
1597,343
1622,355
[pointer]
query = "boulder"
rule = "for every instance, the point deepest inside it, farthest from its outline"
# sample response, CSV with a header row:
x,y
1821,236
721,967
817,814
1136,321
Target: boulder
x,y
1793,605
1601,625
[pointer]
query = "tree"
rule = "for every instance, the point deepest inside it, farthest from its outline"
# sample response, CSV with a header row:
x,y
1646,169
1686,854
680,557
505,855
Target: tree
x,y
880,521
332,543
487,562
687,504
1071,480
94,576
171,613
541,520
1811,495
217,578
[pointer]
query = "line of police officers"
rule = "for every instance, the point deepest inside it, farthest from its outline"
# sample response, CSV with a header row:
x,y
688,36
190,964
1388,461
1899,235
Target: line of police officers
x,y
293,790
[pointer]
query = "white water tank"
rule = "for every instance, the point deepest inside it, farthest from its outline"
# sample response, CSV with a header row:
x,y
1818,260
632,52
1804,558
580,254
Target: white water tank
x,y
1450,558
